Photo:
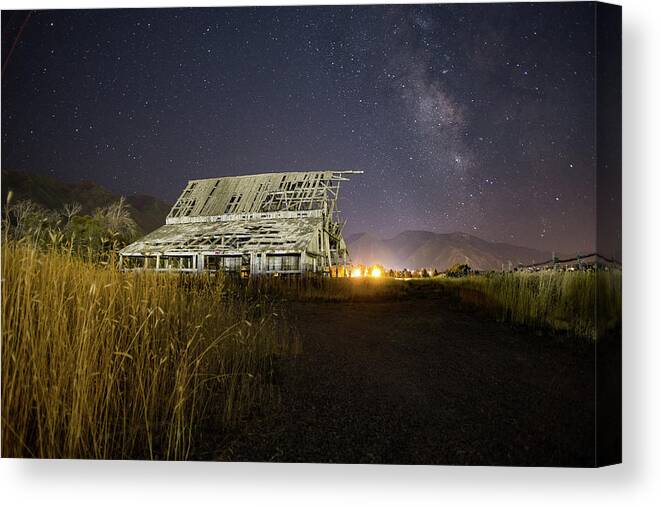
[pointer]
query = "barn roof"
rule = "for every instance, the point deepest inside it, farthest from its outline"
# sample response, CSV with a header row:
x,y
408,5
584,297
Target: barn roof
x,y
271,212
258,193
228,237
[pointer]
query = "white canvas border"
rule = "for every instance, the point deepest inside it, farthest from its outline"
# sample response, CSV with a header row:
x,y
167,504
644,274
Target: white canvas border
x,y
31,482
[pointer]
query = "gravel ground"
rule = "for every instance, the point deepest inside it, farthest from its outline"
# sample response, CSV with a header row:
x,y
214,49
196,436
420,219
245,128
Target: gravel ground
x,y
418,382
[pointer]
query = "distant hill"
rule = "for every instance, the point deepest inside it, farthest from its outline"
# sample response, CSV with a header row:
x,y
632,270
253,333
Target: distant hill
x,y
148,212
424,249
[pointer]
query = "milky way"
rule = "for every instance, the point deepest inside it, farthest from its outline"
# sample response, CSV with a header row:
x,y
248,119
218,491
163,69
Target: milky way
x,y
473,118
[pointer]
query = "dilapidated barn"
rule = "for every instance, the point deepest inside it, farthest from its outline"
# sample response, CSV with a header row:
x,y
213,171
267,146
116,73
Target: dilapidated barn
x,y
274,223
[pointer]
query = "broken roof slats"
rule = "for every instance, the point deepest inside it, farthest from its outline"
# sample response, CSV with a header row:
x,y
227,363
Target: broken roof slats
x,y
264,213
297,232
299,190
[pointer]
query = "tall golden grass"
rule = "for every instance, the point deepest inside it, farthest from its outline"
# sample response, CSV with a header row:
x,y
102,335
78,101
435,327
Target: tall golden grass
x,y
97,363
585,304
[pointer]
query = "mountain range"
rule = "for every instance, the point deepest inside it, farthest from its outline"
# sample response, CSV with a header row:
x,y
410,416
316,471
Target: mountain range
x,y
424,249
148,212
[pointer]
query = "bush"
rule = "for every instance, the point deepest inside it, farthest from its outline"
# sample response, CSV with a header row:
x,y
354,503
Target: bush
x,y
458,270
95,237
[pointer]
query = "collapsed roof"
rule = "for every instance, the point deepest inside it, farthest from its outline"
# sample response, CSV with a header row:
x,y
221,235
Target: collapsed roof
x,y
272,212
259,193
229,237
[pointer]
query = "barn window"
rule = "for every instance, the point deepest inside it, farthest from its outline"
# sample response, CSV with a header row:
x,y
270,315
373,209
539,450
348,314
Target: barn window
x,y
133,262
287,262
150,262
222,262
177,262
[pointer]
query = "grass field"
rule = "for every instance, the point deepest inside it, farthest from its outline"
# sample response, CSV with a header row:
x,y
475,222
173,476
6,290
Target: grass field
x,y
97,363
584,304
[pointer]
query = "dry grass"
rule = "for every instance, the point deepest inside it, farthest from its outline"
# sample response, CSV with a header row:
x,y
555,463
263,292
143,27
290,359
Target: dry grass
x,y
585,304
326,289
97,363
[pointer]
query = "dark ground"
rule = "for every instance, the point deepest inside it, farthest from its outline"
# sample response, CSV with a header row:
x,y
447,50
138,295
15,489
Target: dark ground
x,y
420,382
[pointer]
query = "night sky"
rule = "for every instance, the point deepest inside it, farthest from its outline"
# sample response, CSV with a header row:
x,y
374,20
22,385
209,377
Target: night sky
x,y
471,118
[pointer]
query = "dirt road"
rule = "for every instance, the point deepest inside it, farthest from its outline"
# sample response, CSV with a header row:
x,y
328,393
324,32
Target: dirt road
x,y
418,382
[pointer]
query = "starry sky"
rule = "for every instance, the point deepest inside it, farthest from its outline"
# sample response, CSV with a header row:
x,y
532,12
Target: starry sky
x,y
465,117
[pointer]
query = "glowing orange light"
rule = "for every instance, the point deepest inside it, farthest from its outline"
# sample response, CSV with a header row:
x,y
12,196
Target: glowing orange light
x,y
356,272
376,272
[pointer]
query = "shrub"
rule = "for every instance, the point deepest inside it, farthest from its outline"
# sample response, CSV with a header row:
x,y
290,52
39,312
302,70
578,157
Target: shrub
x,y
458,270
